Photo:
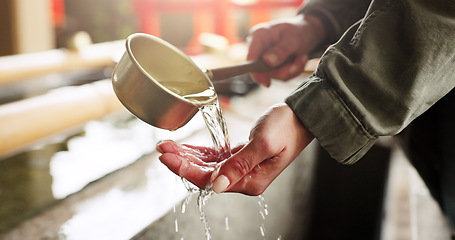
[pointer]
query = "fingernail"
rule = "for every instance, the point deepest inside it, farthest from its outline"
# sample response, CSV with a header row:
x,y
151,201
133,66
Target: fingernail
x,y
271,59
159,149
220,184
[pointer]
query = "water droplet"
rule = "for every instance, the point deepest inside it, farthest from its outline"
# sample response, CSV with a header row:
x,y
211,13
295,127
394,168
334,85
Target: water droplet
x,y
226,222
176,225
262,228
262,215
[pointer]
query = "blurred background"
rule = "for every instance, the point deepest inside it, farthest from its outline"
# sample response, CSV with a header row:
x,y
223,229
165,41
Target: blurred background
x,y
49,44
48,24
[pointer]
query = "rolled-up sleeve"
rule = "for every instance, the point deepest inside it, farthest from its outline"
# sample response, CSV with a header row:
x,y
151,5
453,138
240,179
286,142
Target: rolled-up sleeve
x,y
336,15
382,74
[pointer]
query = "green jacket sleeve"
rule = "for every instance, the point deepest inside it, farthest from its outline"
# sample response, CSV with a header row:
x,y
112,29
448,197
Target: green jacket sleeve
x,y
383,73
336,16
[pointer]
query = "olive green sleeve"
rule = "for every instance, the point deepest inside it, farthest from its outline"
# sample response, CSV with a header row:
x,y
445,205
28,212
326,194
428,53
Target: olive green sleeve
x,y
336,16
382,74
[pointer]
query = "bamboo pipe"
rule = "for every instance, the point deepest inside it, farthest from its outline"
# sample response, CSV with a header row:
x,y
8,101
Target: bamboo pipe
x,y
26,121
24,66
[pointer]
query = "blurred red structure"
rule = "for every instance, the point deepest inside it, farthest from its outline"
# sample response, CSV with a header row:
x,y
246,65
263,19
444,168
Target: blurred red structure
x,y
58,12
213,16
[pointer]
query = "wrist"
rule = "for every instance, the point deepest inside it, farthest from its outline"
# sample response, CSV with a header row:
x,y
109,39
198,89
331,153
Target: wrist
x,y
316,25
313,28
306,135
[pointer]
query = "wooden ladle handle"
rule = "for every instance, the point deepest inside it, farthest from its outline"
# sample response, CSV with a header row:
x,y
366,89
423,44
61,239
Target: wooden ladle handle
x,y
217,74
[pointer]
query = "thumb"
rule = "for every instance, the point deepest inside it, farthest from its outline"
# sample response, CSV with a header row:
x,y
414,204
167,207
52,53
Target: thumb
x,y
238,165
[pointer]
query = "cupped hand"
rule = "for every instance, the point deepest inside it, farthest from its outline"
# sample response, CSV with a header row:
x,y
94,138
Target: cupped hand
x,y
275,141
194,163
284,45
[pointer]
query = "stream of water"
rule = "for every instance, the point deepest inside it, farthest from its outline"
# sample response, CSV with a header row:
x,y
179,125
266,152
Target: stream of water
x,y
208,105
217,127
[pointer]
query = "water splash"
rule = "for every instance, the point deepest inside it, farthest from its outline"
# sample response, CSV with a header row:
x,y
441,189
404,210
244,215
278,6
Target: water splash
x,y
264,207
263,211
204,196
202,199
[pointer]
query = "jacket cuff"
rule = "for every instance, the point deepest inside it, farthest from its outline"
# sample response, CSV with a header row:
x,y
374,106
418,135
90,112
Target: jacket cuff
x,y
326,116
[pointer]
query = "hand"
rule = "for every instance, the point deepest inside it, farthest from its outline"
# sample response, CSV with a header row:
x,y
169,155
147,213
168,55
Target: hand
x,y
276,42
275,141
194,163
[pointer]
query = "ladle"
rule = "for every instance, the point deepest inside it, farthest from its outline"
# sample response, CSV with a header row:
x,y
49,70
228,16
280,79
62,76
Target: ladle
x,y
150,64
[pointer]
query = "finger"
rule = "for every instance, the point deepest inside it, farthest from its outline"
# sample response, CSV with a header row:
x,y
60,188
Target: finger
x,y
195,154
238,148
183,167
262,175
291,70
204,154
200,149
259,41
255,182
166,146
285,46
286,72
261,78
239,165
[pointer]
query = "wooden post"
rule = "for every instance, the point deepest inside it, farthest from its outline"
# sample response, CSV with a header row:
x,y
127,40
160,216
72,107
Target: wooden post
x,y
29,120
27,26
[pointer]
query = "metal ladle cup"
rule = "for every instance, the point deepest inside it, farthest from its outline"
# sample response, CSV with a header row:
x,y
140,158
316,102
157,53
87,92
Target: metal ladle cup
x,y
139,80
